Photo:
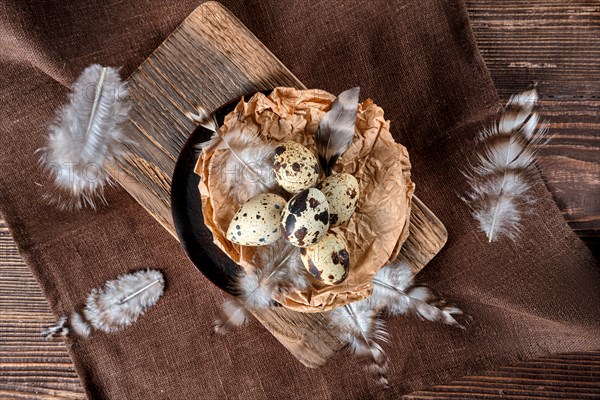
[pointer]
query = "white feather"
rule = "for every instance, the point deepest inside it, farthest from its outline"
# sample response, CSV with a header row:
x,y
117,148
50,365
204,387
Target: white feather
x,y
255,288
123,300
360,327
289,273
424,304
85,138
398,274
503,173
232,316
246,166
394,292
79,325
278,269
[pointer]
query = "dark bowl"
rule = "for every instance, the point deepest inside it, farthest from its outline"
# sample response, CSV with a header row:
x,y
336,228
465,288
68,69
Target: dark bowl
x,y
195,237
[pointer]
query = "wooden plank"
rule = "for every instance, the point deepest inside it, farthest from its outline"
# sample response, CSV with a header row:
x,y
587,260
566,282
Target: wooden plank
x,y
30,366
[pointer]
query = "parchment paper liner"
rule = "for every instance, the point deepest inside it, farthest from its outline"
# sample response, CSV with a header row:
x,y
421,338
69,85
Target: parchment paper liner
x,y
377,229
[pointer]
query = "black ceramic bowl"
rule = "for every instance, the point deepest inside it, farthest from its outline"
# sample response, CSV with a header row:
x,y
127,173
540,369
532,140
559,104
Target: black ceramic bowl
x,y
195,237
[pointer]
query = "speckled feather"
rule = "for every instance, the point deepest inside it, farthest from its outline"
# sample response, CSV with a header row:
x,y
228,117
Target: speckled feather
x,y
279,270
106,308
503,174
361,327
395,292
336,130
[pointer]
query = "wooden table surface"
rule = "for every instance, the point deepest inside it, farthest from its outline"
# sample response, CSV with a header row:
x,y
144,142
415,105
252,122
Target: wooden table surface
x,y
555,43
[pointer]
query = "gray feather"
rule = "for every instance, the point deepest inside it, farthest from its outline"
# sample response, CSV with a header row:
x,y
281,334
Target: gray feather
x,y
122,301
336,130
246,164
278,270
360,327
85,138
232,316
395,293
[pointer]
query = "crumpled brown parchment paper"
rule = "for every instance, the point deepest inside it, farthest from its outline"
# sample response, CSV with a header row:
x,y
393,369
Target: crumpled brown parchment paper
x,y
379,226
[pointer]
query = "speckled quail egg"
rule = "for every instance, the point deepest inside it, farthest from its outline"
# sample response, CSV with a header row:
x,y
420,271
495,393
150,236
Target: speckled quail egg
x,y
342,193
305,218
257,222
296,167
328,260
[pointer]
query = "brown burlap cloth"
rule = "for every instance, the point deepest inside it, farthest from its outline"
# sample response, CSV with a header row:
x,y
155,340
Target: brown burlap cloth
x,y
416,59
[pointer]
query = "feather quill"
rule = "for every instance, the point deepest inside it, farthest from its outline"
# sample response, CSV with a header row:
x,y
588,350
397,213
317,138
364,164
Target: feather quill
x,y
279,270
247,165
336,130
395,292
360,327
500,180
85,138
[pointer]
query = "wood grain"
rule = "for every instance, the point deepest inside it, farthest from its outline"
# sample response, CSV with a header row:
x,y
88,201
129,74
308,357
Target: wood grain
x,y
30,367
209,60
553,42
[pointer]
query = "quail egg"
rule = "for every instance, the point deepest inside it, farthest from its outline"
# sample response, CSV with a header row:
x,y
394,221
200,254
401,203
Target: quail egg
x,y
257,222
305,218
296,167
342,193
328,261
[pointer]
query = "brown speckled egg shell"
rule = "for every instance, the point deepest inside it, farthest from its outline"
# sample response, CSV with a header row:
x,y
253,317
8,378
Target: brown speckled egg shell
x,y
305,218
296,167
257,222
342,193
328,261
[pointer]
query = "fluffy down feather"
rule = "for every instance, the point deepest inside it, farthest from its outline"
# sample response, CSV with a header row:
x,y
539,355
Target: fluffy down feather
x,y
246,164
395,292
278,270
85,138
232,316
397,274
123,300
360,327
79,325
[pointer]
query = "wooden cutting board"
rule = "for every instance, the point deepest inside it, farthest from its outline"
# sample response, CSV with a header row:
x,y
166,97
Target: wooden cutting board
x,y
210,59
